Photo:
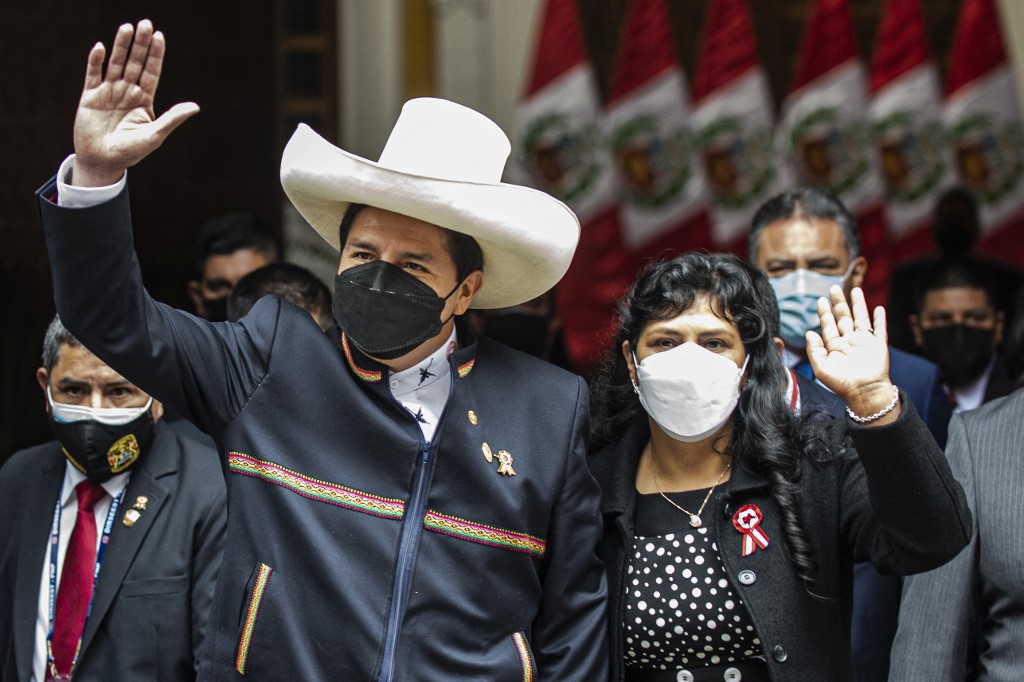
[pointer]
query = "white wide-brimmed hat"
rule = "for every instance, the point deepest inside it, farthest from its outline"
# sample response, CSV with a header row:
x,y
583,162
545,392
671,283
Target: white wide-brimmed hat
x,y
442,164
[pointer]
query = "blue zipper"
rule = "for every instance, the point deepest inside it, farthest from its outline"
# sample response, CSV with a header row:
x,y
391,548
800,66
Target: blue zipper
x,y
412,527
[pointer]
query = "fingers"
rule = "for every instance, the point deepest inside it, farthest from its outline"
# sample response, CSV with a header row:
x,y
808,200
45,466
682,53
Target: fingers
x,y
94,67
119,52
841,310
816,352
139,50
881,328
174,117
861,318
829,328
150,76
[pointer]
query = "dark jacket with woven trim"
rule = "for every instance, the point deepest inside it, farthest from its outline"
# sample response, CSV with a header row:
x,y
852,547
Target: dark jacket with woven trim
x,y
889,499
361,531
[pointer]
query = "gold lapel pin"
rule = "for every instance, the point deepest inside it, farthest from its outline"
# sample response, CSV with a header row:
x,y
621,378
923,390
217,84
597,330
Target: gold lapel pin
x,y
140,503
472,418
488,455
505,458
130,517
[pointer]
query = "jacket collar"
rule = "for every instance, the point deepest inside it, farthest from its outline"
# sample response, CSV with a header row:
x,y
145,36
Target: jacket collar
x,y
371,372
614,467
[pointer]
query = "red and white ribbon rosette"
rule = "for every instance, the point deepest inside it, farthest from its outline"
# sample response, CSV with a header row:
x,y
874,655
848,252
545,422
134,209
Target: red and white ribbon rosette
x,y
747,520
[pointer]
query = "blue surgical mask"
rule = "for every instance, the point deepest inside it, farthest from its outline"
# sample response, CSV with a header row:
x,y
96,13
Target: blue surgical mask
x,y
798,293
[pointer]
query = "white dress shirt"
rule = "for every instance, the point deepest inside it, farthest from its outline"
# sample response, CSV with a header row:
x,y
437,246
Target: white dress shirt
x,y
68,515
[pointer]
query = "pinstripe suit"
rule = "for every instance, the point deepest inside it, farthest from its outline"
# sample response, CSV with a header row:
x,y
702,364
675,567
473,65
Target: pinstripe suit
x,y
984,584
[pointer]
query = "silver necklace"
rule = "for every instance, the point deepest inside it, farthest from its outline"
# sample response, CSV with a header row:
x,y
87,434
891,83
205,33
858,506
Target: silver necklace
x,y
694,518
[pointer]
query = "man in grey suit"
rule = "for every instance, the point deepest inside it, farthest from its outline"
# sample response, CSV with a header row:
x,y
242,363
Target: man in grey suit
x,y
111,536
978,598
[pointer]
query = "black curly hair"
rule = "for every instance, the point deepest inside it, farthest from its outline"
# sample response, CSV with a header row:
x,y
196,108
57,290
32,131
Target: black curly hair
x,y
766,438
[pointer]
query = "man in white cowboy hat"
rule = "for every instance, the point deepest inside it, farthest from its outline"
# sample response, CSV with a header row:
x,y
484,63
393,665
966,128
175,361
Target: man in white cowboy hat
x,y
405,502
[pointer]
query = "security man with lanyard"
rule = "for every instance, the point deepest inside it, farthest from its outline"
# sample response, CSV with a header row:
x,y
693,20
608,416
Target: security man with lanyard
x,y
406,502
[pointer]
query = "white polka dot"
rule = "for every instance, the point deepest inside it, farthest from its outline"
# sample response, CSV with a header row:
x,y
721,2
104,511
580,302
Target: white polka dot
x,y
670,569
688,539
695,592
649,547
698,560
660,622
642,605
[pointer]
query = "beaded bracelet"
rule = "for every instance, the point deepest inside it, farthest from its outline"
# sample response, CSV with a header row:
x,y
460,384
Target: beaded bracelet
x,y
881,413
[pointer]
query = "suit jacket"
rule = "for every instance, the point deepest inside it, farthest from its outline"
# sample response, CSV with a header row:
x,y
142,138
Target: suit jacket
x,y
356,550
875,596
982,589
892,501
153,594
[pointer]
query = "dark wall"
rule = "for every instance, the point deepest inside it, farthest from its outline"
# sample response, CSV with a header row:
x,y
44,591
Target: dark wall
x,y
219,54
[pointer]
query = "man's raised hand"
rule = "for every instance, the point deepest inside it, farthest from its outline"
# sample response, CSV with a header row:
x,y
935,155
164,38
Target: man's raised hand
x,y
115,126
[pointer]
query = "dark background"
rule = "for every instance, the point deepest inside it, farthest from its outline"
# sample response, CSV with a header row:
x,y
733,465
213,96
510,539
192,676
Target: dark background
x,y
230,58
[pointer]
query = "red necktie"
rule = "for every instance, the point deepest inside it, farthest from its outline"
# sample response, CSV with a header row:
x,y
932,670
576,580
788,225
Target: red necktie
x,y
76,579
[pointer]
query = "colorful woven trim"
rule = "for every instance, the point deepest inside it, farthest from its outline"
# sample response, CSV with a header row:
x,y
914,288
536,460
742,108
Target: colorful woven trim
x,y
466,368
389,508
524,656
314,489
250,617
485,535
367,375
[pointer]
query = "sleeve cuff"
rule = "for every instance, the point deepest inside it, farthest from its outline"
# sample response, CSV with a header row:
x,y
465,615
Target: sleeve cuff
x,y
71,196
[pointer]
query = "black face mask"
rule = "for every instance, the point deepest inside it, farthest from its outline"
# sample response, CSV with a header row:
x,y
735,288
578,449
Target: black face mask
x,y
101,451
961,352
386,311
527,333
215,309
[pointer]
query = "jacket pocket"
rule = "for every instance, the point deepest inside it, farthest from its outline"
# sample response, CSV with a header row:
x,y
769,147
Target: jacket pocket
x,y
257,587
526,660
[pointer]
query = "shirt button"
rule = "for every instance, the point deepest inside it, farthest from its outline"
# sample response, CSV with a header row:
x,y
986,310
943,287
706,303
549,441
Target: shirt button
x,y
747,577
779,654
732,675
684,676
394,384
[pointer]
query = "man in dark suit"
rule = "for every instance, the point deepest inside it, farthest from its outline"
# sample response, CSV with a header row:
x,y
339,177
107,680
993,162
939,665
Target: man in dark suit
x,y
806,241
957,324
155,533
976,601
405,502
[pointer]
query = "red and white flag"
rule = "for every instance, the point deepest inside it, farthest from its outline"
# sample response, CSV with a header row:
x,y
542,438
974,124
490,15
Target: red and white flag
x,y
906,113
664,194
983,118
559,148
826,135
733,120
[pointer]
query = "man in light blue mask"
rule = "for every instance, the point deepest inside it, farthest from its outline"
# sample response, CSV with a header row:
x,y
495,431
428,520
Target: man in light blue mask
x,y
805,240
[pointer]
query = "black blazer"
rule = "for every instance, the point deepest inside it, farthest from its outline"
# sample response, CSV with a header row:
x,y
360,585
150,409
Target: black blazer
x,y
353,544
154,590
895,504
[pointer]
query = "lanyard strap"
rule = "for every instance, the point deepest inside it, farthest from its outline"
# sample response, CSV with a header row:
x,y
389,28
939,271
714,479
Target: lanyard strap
x,y
54,546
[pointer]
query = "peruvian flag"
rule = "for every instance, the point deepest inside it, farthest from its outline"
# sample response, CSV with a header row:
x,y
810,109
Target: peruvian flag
x,y
733,120
906,112
983,118
826,135
559,148
664,195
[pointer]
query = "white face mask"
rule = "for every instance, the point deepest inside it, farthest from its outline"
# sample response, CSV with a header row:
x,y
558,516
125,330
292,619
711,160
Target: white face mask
x,y
689,391
797,293
111,416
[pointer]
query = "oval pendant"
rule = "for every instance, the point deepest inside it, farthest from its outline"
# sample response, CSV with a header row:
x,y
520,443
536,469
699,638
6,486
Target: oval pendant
x,y
694,520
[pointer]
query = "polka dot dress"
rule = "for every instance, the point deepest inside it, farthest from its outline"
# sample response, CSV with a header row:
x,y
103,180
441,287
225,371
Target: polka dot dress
x,y
681,610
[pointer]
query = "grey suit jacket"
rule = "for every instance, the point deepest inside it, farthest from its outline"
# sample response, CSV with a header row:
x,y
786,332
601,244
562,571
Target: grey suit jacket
x,y
154,590
983,587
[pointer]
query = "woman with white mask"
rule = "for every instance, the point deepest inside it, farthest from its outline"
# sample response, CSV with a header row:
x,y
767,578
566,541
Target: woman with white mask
x,y
731,525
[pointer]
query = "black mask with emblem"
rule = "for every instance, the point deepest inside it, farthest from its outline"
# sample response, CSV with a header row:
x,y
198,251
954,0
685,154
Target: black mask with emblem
x,y
385,311
101,451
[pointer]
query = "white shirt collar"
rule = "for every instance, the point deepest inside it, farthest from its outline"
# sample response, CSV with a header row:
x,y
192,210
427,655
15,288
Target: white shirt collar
x,y
429,370
72,477
973,395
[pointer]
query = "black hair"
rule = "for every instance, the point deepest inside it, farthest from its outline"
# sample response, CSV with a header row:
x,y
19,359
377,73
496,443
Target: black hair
x,y
805,202
291,282
464,250
232,232
955,223
955,274
1013,346
56,335
766,438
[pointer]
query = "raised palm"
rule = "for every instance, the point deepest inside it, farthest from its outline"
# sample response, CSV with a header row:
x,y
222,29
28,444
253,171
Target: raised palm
x,y
115,126
851,355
